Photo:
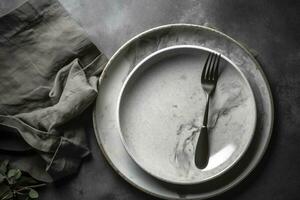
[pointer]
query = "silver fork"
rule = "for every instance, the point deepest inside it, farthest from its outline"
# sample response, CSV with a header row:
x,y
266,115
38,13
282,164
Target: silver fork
x,y
209,80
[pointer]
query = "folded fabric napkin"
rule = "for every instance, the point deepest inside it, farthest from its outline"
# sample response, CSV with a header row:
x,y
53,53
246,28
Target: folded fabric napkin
x,y
48,77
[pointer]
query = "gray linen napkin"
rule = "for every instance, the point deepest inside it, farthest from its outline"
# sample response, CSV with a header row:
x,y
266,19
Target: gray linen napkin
x,y
48,76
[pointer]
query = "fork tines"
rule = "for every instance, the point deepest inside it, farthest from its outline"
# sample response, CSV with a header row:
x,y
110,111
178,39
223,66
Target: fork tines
x,y
211,67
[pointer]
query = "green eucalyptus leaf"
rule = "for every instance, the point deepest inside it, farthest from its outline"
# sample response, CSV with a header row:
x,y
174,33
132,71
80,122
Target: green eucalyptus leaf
x,y
3,166
15,179
18,175
13,175
33,194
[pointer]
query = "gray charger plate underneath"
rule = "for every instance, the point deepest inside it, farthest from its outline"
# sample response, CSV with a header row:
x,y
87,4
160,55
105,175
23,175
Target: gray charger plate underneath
x,y
161,110
110,85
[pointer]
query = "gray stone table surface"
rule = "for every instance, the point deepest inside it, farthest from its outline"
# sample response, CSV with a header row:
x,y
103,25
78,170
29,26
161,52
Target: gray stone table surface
x,y
270,28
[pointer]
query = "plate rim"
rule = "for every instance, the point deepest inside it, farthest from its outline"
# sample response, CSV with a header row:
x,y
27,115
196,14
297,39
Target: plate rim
x,y
171,48
248,170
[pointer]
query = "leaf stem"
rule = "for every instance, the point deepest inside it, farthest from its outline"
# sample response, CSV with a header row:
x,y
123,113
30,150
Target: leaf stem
x,y
31,186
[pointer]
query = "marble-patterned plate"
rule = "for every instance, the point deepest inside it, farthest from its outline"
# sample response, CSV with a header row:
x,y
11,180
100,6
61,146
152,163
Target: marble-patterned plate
x,y
120,66
161,108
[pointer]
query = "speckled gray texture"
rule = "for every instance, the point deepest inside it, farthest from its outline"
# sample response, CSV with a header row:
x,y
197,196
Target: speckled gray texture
x,y
272,28
121,64
161,111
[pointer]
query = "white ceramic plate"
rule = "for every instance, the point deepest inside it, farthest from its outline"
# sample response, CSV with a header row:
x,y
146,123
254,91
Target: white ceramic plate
x,y
161,110
110,85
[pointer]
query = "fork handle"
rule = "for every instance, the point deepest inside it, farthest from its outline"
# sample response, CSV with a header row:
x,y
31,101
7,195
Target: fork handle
x,y
202,151
202,148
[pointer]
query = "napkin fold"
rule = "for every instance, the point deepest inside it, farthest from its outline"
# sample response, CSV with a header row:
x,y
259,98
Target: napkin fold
x,y
48,77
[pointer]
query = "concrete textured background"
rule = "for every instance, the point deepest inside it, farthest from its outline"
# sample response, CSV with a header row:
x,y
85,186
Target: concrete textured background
x,y
271,29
